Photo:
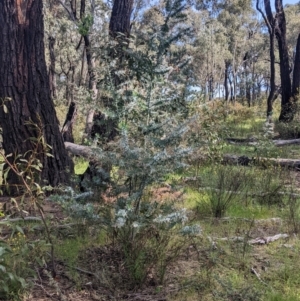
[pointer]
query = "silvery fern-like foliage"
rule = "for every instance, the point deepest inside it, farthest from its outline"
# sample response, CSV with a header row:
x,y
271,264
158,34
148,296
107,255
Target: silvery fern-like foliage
x,y
151,106
151,103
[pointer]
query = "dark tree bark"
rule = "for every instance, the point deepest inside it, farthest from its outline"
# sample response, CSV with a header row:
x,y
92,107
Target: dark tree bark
x,y
287,108
119,29
120,18
67,129
24,79
247,63
270,23
73,8
52,76
227,64
296,73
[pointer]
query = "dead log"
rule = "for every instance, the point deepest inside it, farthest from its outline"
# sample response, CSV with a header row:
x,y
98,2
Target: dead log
x,y
254,141
261,161
280,142
256,241
241,140
97,173
82,150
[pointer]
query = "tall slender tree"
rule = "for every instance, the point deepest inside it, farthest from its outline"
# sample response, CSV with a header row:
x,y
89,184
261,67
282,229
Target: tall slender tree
x,y
287,108
270,23
24,90
119,30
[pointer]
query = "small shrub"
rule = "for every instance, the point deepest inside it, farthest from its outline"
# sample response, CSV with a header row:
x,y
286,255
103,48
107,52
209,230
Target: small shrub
x,y
229,183
150,239
289,130
10,283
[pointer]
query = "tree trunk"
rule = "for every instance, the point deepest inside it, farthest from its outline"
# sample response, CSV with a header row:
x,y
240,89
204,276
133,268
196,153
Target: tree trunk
x,y
119,30
92,87
24,80
270,23
120,18
296,73
67,129
92,84
287,109
52,76
272,76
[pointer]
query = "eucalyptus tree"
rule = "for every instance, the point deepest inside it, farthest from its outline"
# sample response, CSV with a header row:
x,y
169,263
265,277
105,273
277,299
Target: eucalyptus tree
x,y
270,23
276,24
237,20
27,112
225,35
293,38
119,32
80,28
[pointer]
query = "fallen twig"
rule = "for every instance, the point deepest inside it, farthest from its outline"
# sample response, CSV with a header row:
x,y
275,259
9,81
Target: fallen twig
x,y
20,219
267,239
255,241
253,271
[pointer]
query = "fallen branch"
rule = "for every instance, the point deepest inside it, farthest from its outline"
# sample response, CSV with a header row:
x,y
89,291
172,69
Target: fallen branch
x,y
254,141
266,240
20,219
82,150
280,142
242,140
253,271
256,241
245,161
273,220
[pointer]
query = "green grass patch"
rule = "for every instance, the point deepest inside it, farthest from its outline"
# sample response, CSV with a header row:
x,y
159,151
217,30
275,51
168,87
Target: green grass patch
x,y
69,249
250,211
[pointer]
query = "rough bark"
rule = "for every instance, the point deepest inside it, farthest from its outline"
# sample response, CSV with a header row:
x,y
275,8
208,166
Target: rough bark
x,y
24,80
67,129
270,23
120,18
119,30
287,110
296,73
52,76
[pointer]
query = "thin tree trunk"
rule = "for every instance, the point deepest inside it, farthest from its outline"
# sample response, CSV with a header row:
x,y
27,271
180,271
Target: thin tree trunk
x,y
287,109
52,76
92,84
270,23
67,129
296,73
92,87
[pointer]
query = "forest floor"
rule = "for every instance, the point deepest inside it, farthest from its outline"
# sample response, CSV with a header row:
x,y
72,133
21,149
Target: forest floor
x,y
250,253
99,270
